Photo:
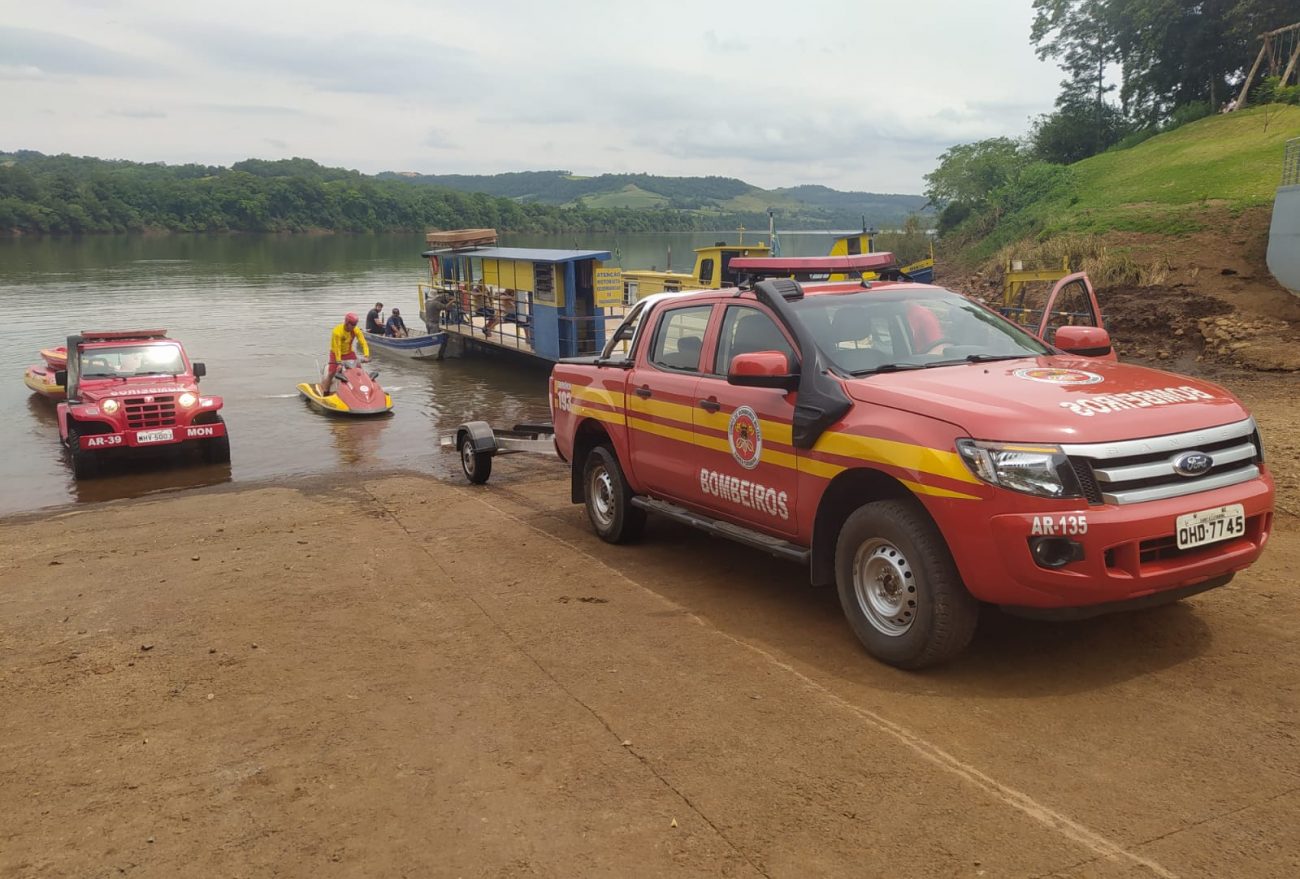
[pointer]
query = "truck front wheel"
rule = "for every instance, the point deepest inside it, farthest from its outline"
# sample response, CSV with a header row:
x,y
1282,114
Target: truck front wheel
x,y
609,500
85,464
216,450
899,587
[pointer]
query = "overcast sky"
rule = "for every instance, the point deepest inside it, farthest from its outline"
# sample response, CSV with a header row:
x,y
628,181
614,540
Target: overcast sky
x,y
861,94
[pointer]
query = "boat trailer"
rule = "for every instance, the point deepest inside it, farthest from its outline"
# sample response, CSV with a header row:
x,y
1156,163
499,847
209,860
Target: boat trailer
x,y
479,442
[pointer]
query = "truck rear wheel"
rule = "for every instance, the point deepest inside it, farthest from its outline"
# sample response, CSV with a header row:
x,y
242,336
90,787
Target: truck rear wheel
x,y
608,498
899,586
85,464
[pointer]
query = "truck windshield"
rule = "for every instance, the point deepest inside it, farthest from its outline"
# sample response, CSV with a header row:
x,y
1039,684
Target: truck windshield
x,y
880,331
124,361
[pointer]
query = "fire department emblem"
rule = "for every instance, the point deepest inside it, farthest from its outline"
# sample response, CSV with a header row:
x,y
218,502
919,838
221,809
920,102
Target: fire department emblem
x,y
745,438
1055,376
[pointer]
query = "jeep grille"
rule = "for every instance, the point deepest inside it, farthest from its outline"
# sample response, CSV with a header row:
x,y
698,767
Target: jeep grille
x,y
1133,471
159,411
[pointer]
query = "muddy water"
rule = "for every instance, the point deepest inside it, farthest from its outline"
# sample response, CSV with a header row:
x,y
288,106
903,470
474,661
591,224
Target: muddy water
x,y
257,310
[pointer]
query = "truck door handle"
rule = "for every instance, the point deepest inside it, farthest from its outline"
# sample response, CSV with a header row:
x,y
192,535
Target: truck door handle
x,y
710,405
643,392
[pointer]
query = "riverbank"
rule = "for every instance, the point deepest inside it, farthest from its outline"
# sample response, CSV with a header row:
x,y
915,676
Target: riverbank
x,y
397,675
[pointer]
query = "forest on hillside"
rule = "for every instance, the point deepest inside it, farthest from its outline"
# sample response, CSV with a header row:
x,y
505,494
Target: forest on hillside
x,y
43,194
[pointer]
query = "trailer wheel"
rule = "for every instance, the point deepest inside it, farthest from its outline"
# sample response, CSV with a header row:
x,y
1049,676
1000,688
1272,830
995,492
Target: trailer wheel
x,y
899,587
608,498
85,464
476,465
217,450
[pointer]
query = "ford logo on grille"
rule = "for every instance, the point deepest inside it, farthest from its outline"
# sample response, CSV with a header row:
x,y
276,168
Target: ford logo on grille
x,y
1192,464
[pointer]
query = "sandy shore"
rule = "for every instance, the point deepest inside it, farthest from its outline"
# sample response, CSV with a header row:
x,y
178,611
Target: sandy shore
x,y
405,677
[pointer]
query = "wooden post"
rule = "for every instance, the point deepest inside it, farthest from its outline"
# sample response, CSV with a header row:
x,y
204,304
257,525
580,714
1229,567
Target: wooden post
x,y
1245,87
1291,64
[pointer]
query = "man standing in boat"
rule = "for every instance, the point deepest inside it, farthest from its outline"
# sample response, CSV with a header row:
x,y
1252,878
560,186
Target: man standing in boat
x,y
344,336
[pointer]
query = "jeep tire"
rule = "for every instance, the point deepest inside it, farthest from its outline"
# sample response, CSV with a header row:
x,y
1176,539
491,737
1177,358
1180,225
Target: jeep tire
x,y
85,463
899,587
608,498
217,449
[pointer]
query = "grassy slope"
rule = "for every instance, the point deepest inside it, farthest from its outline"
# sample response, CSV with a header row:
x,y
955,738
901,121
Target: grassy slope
x,y
1231,161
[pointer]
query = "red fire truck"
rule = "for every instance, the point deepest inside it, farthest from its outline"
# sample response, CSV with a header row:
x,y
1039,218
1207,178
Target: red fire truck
x,y
915,449
133,390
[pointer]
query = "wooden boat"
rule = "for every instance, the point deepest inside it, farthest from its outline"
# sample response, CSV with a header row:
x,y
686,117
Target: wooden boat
x,y
41,379
425,347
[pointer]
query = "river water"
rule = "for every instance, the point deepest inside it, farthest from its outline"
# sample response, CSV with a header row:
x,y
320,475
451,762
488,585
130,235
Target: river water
x,y
258,310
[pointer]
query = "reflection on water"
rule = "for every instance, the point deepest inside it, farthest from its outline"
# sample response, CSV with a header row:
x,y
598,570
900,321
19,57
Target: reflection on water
x,y
258,310
357,439
136,478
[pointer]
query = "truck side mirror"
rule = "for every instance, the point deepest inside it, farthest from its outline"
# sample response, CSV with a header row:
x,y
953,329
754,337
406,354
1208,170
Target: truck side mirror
x,y
200,370
61,377
1083,341
762,369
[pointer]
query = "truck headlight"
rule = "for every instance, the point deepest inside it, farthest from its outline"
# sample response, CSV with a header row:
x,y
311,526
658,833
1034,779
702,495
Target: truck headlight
x,y
109,406
1041,470
187,400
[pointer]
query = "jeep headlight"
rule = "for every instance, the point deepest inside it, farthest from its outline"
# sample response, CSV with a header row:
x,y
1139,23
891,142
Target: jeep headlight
x,y
187,400
109,406
1041,470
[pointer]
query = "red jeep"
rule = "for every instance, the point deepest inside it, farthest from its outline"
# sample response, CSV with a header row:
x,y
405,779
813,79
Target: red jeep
x,y
917,450
135,389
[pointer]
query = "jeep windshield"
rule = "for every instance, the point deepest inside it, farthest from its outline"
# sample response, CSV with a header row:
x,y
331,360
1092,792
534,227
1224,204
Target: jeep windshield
x,y
125,361
887,331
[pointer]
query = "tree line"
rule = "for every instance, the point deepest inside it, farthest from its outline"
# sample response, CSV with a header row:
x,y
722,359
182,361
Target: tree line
x,y
67,195
1133,68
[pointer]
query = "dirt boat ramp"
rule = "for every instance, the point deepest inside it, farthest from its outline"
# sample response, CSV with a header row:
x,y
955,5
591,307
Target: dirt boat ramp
x,y
407,677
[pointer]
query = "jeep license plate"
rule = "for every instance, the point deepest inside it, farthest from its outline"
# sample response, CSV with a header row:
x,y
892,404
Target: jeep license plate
x,y
154,436
1211,526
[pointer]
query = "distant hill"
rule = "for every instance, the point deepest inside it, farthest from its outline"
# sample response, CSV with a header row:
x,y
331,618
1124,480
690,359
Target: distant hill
x,y
798,207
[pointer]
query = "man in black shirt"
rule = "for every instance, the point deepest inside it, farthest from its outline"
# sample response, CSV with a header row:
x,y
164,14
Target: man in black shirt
x,y
374,322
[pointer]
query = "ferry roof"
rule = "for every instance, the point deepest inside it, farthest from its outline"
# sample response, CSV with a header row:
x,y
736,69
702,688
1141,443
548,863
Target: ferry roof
x,y
521,254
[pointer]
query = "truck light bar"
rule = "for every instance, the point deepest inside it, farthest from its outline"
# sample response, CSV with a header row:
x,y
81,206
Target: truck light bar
x,y
89,336
815,265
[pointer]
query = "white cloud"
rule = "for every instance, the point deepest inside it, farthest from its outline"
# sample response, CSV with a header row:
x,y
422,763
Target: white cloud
x,y
853,95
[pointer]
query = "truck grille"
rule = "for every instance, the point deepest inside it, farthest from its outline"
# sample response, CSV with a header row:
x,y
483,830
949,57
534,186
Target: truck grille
x,y
157,411
1133,471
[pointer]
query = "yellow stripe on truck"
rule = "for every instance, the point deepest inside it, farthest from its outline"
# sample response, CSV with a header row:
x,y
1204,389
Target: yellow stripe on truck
x,y
907,456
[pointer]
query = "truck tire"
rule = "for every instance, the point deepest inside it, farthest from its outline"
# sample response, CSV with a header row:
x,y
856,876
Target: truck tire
x,y
476,465
217,450
85,464
899,586
608,498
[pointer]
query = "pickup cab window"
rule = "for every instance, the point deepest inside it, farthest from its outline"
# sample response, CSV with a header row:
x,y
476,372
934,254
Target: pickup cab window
x,y
680,338
746,330
876,331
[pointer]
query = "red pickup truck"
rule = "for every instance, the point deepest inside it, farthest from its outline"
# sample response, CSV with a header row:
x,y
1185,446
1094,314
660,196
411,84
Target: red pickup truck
x,y
917,450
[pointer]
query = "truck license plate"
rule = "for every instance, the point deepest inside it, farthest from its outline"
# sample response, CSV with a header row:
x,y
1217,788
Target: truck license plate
x,y
1211,526
154,436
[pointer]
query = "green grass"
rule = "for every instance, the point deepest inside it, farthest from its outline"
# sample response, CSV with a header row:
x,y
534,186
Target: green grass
x,y
1169,184
630,196
1231,161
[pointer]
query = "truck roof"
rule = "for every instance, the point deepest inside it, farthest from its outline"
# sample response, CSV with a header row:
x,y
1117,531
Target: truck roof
x,y
121,335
